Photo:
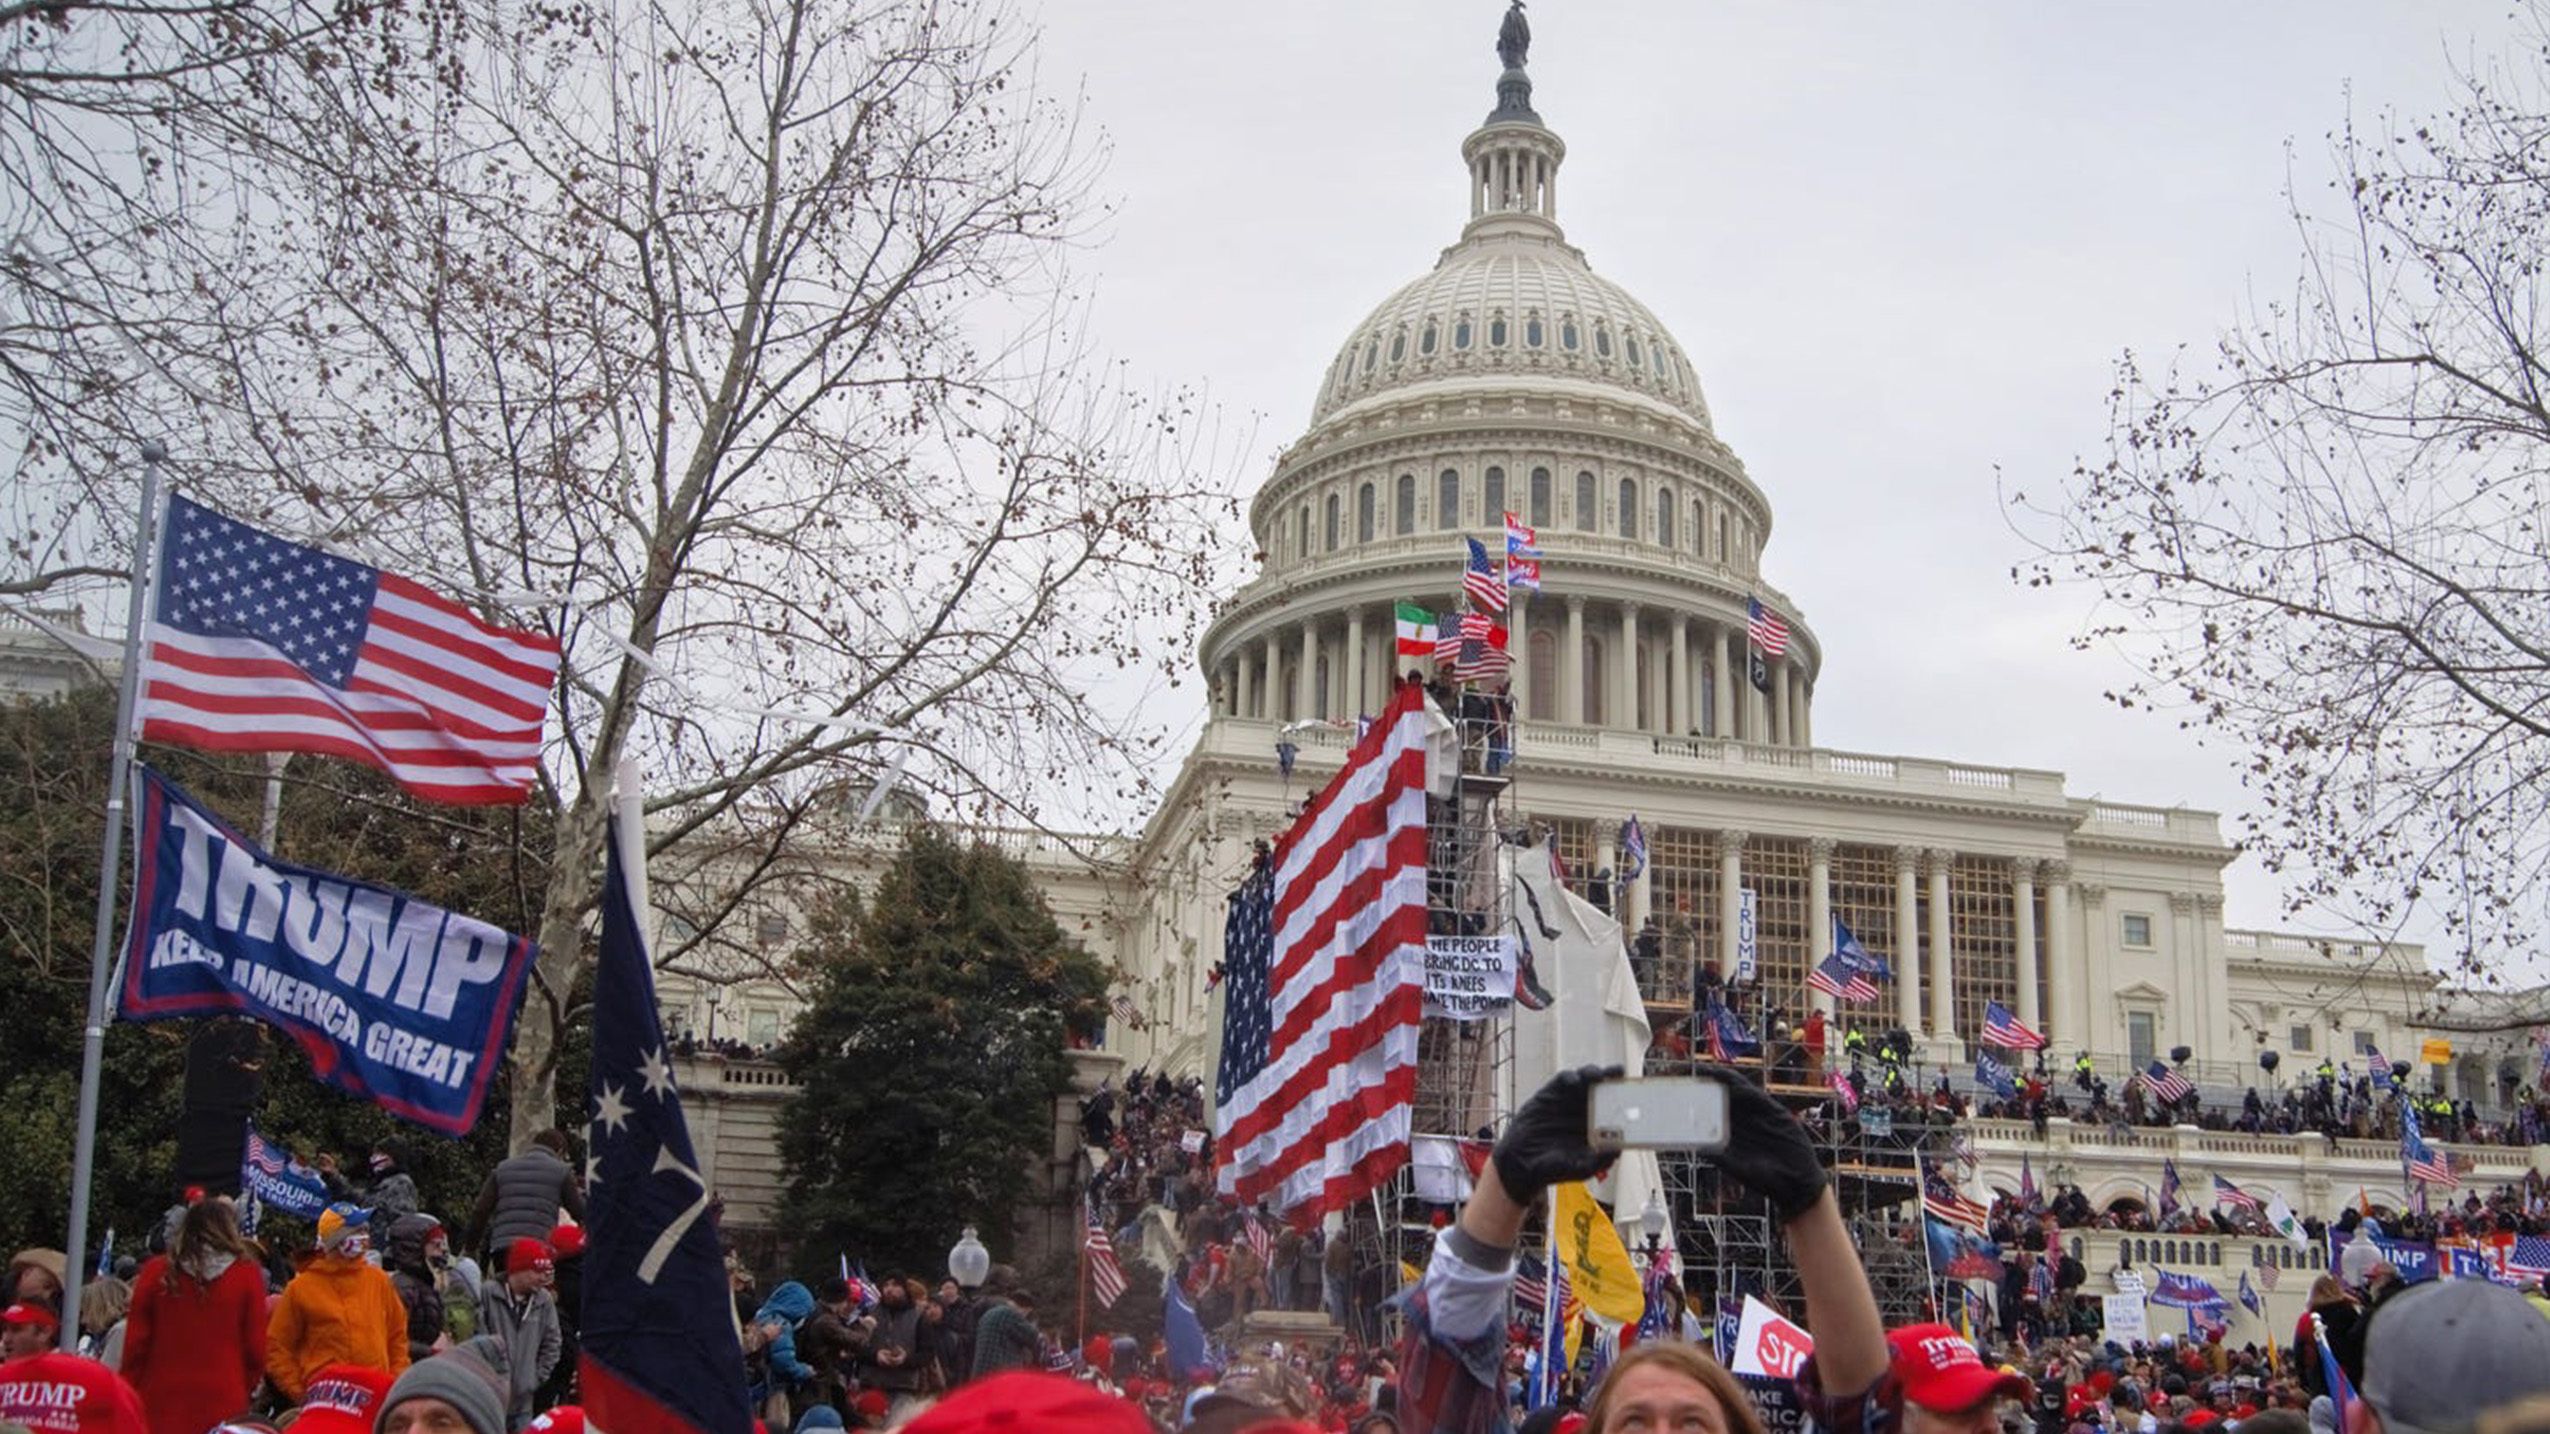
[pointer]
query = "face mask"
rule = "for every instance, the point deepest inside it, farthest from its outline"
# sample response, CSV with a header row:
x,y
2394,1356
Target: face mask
x,y
440,1259
380,1163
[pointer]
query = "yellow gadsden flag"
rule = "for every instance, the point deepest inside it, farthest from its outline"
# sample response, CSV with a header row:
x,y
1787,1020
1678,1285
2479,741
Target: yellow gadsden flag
x,y
1598,1264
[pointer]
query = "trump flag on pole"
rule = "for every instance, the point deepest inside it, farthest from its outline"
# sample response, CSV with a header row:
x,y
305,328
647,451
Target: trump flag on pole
x,y
660,1352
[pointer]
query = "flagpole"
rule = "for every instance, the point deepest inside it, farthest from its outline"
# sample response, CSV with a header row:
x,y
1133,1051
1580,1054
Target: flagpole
x,y
110,845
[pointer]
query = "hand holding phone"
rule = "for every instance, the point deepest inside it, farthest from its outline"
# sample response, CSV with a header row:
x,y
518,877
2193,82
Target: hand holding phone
x,y
1658,1113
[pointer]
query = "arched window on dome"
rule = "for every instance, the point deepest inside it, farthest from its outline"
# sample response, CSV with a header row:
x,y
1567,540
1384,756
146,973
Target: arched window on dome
x,y
1602,341
1540,497
1447,498
1492,499
1532,331
1629,507
1699,529
1398,345
1664,515
1496,332
1301,532
1587,518
1336,528
1404,514
1372,357
1630,349
1425,340
1461,333
1722,535
1595,686
1540,665
1364,516
1567,334
1659,357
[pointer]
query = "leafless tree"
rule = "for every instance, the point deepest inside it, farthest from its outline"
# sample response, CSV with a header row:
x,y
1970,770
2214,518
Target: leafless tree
x,y
2323,543
730,339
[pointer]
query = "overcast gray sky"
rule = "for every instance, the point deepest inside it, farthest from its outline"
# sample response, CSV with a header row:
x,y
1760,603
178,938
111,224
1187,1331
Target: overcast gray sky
x,y
1902,244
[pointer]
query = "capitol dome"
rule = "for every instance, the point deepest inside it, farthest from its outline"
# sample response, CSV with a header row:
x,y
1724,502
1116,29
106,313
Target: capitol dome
x,y
1513,299
1512,382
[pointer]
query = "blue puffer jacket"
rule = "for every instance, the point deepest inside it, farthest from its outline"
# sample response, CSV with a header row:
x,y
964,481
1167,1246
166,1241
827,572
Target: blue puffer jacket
x,y
787,1308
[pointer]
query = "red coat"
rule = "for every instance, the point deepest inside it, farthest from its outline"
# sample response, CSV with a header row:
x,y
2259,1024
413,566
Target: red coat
x,y
195,1351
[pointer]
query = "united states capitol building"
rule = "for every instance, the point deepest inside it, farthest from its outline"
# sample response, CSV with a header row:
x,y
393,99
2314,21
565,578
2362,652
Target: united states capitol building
x,y
1510,375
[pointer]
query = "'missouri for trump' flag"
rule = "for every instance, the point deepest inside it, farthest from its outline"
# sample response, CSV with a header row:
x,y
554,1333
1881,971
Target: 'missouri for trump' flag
x,y
1324,952
659,1350
262,645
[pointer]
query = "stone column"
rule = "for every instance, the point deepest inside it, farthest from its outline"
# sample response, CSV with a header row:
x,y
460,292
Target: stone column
x,y
2062,962
1908,938
1730,896
1355,665
1805,707
1571,664
1819,915
1779,701
1306,679
1270,679
1943,953
1721,693
1244,683
1678,705
2023,912
1625,672
1518,647
2188,1025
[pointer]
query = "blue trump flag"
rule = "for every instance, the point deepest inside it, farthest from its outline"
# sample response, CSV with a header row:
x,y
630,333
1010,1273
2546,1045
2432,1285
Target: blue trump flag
x,y
660,1353
397,1001
280,1182
1182,1333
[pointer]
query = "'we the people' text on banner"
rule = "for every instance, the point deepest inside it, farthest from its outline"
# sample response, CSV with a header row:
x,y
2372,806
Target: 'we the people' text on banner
x,y
396,1000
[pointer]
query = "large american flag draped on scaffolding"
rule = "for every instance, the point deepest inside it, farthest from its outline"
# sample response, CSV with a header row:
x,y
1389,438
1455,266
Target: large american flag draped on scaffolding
x,y
1324,953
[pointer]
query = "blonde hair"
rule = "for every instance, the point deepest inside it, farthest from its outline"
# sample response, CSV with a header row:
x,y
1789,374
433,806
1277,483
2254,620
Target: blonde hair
x,y
102,1303
2324,1291
1688,1360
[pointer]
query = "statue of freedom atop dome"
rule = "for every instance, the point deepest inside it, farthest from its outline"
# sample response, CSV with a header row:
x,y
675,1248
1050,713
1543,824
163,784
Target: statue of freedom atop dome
x,y
1514,37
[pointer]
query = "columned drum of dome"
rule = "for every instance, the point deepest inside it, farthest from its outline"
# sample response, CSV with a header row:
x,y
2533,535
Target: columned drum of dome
x,y
1512,377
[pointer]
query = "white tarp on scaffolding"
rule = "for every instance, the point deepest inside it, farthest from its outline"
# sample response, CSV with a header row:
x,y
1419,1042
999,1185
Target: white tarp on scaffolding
x,y
1595,1014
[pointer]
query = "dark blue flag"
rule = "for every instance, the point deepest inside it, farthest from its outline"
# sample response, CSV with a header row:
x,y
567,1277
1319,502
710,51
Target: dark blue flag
x,y
660,1351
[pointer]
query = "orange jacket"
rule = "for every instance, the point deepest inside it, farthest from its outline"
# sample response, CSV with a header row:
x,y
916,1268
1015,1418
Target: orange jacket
x,y
336,1311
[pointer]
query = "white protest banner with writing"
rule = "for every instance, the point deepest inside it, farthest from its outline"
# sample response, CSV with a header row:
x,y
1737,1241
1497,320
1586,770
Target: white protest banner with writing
x,y
2127,1320
1468,978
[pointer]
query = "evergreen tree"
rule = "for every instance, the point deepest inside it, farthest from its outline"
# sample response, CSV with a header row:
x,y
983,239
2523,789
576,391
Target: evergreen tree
x,y
929,1059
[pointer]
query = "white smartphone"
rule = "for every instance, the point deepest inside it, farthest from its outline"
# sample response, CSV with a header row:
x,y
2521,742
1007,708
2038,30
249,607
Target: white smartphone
x,y
1660,1113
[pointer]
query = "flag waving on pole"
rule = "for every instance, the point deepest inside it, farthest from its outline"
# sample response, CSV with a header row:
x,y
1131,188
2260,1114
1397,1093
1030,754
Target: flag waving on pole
x,y
2002,1029
660,1354
262,645
1480,580
1325,952
1633,850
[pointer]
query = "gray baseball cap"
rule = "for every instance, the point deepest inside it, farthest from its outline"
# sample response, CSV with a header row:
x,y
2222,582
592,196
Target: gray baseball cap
x,y
2440,1354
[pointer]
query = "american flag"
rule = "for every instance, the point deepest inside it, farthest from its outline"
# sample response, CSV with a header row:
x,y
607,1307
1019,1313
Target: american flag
x,y
2269,1278
2169,1188
2377,1068
2424,1164
1941,1200
1480,580
1124,1009
1770,635
2526,1258
2028,1194
1531,1284
2002,1029
1480,655
2166,1084
1843,1089
1259,1239
1106,1276
2226,1193
1838,979
262,645
1324,946
1521,542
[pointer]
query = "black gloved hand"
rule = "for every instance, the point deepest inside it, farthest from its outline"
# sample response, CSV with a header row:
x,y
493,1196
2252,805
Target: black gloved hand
x,y
1545,1142
1767,1150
